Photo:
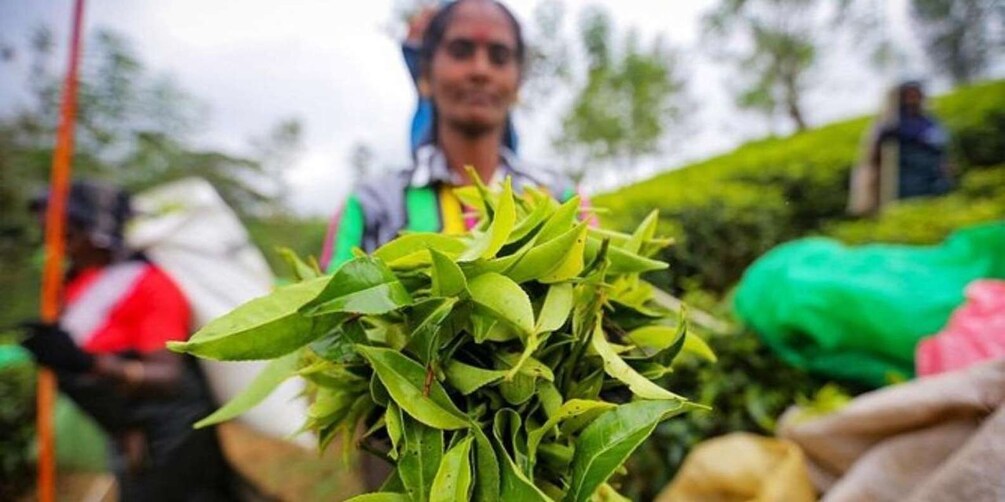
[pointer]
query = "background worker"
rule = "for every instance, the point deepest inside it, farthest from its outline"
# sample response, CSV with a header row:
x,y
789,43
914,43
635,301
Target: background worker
x,y
108,351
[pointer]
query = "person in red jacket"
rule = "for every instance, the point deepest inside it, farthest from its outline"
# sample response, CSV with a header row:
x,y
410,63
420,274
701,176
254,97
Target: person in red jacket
x,y
109,353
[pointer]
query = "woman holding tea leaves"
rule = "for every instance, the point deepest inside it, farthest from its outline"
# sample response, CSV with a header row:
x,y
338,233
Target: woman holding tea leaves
x,y
472,62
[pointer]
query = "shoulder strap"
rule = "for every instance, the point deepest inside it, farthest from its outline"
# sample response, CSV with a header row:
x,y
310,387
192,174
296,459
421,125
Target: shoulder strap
x,y
422,210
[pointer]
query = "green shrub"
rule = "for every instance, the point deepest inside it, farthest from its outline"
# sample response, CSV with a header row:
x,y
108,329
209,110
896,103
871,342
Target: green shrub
x,y
980,198
17,422
976,118
727,211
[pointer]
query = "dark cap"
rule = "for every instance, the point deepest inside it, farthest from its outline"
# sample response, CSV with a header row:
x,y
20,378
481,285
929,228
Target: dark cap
x,y
101,210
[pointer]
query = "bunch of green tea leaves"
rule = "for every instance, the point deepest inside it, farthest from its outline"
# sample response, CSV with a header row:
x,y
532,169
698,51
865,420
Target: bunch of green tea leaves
x,y
517,362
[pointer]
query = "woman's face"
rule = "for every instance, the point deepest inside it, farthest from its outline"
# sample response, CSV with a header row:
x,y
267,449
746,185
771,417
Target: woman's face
x,y
474,75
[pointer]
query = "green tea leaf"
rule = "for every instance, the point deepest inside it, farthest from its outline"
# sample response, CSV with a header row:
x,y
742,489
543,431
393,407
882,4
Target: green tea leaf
x,y
425,320
467,379
329,374
421,454
518,390
561,220
532,221
275,373
263,328
380,497
551,399
361,286
393,423
378,392
487,244
645,231
471,197
605,444
501,332
301,270
448,279
515,485
331,407
420,242
695,345
556,456
571,408
453,479
589,387
481,326
393,483
499,296
556,257
656,337
618,369
337,345
486,468
485,199
556,309
621,261
529,366
405,380
572,263
607,493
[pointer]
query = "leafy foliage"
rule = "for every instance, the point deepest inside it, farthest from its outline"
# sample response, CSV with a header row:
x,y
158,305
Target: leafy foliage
x,y
523,361
631,94
778,47
961,37
980,198
17,418
134,128
726,211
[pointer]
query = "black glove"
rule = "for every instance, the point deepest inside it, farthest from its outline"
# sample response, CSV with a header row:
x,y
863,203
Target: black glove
x,y
54,348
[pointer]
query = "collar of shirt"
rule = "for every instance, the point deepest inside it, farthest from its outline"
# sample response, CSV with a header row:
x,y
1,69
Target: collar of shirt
x,y
431,167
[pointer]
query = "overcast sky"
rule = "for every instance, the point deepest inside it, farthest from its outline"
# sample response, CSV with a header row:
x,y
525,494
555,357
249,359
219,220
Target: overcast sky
x,y
335,65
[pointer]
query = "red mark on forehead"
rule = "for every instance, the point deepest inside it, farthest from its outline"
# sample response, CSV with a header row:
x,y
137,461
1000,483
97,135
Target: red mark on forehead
x,y
480,35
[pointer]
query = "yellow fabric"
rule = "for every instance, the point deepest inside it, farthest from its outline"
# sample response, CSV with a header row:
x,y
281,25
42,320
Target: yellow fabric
x,y
742,467
450,209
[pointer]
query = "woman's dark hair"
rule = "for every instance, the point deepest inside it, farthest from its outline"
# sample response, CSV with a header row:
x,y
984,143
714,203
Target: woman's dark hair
x,y
438,25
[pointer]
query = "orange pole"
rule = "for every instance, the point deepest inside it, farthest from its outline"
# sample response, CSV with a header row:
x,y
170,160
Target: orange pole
x,y
52,273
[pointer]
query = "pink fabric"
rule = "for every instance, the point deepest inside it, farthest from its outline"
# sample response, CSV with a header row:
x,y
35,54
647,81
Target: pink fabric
x,y
328,248
975,332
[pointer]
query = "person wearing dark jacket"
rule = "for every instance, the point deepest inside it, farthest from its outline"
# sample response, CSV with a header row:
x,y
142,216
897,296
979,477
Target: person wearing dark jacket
x,y
108,351
920,141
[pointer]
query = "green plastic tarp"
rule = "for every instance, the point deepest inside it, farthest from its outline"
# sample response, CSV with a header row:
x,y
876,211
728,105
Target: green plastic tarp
x,y
857,313
80,443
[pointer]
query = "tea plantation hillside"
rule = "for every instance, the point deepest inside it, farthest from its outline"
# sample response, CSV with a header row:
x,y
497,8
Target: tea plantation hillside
x,y
728,210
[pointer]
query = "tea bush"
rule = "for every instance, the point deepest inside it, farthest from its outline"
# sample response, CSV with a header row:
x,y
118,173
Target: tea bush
x,y
728,210
17,420
980,198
